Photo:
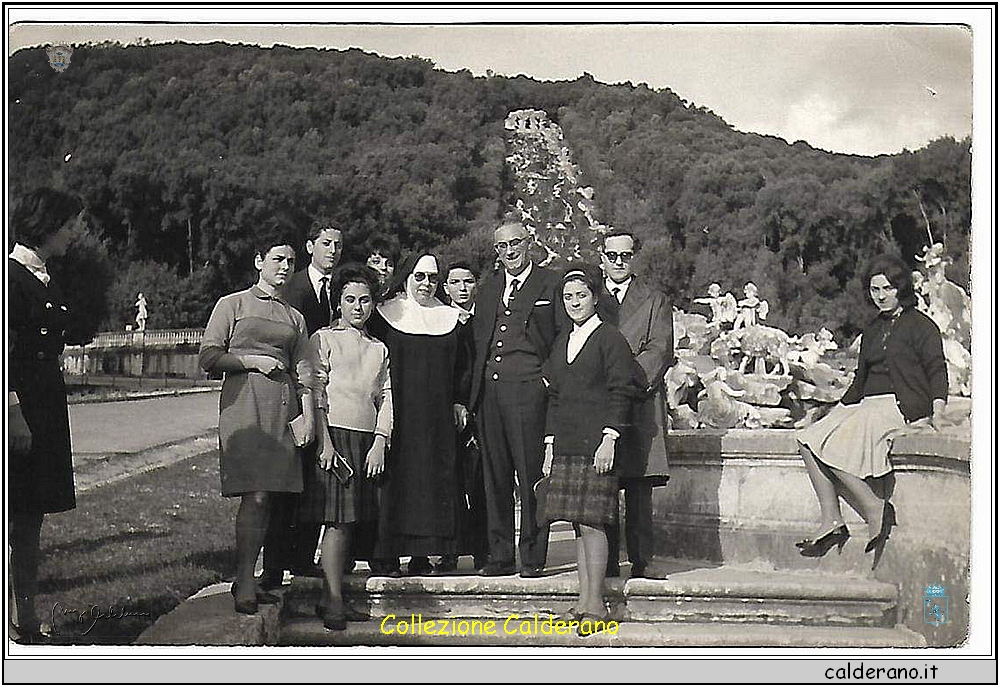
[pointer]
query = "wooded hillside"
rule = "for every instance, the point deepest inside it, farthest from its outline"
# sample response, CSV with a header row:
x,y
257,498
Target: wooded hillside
x,y
186,155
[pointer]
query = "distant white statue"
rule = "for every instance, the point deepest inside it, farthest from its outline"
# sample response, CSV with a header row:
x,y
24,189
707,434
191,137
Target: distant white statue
x,y
723,307
142,313
750,308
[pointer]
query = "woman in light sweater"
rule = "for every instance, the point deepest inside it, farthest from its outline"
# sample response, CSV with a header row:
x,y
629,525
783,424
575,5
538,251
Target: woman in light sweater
x,y
353,425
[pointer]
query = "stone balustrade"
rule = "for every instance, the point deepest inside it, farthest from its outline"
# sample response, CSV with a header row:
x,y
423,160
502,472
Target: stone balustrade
x,y
150,353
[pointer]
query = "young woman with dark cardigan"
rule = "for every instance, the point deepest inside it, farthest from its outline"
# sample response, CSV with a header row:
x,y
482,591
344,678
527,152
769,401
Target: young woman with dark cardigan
x,y
901,380
590,389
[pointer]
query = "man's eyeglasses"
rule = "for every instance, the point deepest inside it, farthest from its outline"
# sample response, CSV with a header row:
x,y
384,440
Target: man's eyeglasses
x,y
625,255
419,277
502,246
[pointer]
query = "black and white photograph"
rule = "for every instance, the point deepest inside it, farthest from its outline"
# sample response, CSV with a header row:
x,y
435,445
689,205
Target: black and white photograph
x,y
485,333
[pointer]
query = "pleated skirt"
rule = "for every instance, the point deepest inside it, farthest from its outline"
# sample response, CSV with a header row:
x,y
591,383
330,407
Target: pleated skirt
x,y
577,493
856,438
326,500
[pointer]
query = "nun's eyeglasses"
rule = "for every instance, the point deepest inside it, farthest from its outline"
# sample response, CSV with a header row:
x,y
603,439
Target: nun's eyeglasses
x,y
419,277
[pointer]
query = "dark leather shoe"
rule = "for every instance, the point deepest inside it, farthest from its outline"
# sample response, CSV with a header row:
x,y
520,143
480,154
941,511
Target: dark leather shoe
x,y
246,607
446,566
497,569
646,572
335,621
591,624
271,579
419,565
308,571
267,598
385,567
531,571
260,598
349,613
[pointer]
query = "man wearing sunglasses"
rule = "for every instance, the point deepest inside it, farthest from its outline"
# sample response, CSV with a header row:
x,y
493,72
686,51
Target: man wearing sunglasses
x,y
645,319
517,319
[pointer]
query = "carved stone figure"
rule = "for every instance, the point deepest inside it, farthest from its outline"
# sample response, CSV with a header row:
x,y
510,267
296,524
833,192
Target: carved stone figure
x,y
723,306
750,308
142,313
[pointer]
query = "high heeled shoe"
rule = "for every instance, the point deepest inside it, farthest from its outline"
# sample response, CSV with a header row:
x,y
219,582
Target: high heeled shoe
x,y
819,547
878,542
249,606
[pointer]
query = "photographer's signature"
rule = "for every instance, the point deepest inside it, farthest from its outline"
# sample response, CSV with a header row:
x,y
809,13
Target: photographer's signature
x,y
91,614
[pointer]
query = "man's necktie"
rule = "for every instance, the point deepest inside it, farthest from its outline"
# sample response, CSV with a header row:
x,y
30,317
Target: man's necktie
x,y
324,297
513,290
614,292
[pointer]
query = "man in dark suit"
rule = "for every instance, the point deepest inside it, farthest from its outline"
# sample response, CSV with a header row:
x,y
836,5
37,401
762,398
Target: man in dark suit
x,y
308,290
288,546
645,319
460,284
517,319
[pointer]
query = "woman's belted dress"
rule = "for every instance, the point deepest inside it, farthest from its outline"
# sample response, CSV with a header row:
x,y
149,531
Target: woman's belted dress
x,y
256,449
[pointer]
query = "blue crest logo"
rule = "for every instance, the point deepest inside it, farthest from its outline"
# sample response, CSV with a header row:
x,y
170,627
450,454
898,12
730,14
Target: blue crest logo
x,y
935,605
59,56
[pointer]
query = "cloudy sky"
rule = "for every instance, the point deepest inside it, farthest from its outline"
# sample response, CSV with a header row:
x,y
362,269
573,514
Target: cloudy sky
x,y
864,89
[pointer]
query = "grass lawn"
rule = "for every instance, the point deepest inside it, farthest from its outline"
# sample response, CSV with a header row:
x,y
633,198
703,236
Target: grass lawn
x,y
134,550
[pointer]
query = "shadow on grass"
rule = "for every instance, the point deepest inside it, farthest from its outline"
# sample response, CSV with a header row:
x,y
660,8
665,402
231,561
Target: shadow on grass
x,y
85,546
126,556
212,560
81,612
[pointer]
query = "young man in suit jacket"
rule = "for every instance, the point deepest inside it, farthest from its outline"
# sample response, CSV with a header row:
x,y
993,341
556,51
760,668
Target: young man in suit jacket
x,y
289,546
645,319
517,319
460,283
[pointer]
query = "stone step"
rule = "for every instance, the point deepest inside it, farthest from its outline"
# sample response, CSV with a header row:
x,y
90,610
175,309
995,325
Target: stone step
x,y
772,544
690,594
310,632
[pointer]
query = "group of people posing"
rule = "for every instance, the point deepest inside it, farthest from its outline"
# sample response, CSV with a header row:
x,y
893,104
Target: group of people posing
x,y
396,410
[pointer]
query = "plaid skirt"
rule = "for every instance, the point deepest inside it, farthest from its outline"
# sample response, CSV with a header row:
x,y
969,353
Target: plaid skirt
x,y
326,500
578,494
856,438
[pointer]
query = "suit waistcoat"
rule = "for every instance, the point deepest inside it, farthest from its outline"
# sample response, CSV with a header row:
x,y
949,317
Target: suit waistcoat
x,y
512,357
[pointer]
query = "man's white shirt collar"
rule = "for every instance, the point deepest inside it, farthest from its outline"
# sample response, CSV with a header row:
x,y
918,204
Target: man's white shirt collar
x,y
521,278
610,284
471,309
314,278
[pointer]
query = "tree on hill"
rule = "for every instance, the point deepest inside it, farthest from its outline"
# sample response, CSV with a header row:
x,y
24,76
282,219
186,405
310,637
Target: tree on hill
x,y
184,155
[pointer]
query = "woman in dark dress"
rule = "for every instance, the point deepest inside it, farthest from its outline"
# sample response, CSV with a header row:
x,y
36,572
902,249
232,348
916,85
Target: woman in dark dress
x,y
590,391
262,345
39,324
901,380
428,348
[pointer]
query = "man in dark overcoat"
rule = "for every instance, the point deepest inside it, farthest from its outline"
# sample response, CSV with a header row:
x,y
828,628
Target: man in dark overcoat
x,y
645,318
